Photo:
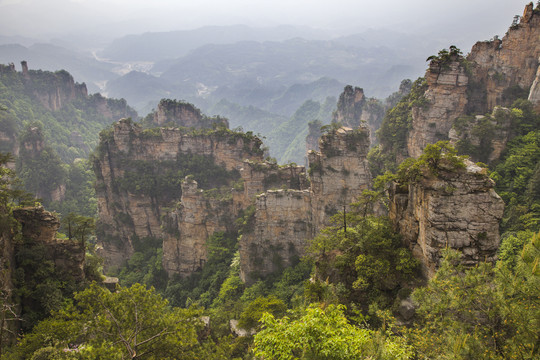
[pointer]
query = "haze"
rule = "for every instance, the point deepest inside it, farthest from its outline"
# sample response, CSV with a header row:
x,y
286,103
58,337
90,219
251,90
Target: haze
x,y
462,20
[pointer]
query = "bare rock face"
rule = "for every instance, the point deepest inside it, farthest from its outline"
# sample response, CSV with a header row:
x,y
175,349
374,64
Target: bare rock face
x,y
495,73
446,98
339,172
500,66
285,220
355,110
278,233
196,218
350,107
534,94
127,213
457,209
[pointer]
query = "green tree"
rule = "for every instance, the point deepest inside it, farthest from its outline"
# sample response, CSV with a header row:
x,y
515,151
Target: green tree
x,y
485,311
324,334
131,323
364,263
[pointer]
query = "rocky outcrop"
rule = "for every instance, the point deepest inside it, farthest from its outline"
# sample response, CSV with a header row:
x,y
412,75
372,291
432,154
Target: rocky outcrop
x,y
495,73
285,220
350,107
129,208
355,110
457,209
26,234
534,94
178,113
53,90
277,235
503,66
198,215
339,172
39,226
288,208
446,99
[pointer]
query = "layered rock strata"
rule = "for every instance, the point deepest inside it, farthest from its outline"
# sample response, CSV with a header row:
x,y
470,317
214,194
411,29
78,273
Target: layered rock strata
x,y
339,172
495,73
458,209
446,98
126,214
277,235
285,220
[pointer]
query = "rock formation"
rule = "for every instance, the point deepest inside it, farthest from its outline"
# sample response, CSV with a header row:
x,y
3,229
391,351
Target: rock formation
x,y
495,73
288,209
339,172
126,212
277,235
178,113
350,107
355,110
39,226
284,220
457,209
447,99
30,227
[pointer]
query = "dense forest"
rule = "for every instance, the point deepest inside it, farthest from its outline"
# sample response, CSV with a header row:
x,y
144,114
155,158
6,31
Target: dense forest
x,y
357,292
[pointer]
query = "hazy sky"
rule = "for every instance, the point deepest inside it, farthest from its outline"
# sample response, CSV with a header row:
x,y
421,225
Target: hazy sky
x,y
49,18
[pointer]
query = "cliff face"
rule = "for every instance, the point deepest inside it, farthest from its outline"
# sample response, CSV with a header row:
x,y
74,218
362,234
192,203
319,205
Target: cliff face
x,y
135,170
339,172
133,164
495,73
355,110
198,215
54,90
277,235
285,220
446,98
350,107
501,66
34,228
457,209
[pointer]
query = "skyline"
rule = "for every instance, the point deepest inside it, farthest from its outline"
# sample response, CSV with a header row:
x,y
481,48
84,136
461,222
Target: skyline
x,y
44,20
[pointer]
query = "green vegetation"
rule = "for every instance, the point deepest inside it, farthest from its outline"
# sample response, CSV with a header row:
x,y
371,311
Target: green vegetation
x,y
517,182
394,129
485,311
129,323
446,56
162,179
362,265
72,129
325,334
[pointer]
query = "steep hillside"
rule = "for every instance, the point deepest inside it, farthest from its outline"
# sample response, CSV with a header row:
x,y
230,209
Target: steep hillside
x,y
71,118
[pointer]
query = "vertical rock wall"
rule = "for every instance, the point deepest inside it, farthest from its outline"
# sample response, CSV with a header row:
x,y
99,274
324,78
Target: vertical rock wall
x,y
446,98
124,215
278,233
494,73
457,209
339,172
